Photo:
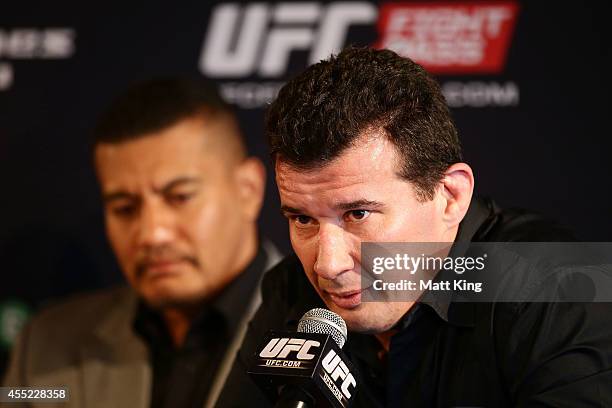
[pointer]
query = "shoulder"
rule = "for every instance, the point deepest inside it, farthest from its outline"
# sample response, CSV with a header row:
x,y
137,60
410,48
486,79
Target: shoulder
x,y
553,346
69,320
51,341
517,224
552,321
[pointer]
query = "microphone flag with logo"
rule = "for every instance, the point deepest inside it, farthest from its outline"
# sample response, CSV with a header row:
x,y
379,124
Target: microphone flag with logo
x,y
307,368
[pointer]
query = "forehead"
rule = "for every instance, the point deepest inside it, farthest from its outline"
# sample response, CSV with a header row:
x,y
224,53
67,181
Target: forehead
x,y
188,147
368,167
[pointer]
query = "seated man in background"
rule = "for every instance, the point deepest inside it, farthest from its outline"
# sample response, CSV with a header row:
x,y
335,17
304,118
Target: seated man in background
x,y
365,150
181,200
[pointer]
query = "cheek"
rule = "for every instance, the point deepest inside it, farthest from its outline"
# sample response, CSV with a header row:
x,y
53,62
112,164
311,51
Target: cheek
x,y
202,223
302,249
213,228
119,238
418,225
306,251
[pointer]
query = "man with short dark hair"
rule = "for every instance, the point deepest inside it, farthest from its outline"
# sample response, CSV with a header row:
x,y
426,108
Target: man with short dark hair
x,y
181,200
365,151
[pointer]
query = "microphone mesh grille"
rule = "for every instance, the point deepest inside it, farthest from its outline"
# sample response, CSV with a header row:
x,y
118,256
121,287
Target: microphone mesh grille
x,y
326,322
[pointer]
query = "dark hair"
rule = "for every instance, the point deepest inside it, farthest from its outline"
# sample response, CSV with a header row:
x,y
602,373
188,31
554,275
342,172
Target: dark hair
x,y
156,104
323,111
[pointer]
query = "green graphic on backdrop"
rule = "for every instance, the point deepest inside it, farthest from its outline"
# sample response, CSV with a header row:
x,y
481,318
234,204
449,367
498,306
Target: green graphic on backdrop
x,y
13,315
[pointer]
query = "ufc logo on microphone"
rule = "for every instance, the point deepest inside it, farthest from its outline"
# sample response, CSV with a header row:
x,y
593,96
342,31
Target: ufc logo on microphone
x,y
335,367
281,347
258,38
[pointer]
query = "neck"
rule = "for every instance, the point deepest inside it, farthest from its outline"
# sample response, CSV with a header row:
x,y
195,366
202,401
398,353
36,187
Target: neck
x,y
385,340
178,321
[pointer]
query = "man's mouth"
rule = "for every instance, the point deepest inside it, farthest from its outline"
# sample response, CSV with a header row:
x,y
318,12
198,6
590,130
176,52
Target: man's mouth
x,y
161,268
346,299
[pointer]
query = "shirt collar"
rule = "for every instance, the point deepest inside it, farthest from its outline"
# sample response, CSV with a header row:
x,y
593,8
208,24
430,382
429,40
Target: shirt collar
x,y
234,299
461,313
228,305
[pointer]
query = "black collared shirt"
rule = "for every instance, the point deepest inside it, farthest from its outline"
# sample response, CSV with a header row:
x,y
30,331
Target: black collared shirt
x,y
183,376
386,376
451,354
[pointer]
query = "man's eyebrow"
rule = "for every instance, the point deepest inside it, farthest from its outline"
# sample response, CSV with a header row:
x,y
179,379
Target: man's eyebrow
x,y
285,209
359,204
351,205
178,182
117,195
124,195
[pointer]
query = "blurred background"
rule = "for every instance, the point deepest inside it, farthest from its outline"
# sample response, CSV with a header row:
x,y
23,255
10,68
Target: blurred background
x,y
528,84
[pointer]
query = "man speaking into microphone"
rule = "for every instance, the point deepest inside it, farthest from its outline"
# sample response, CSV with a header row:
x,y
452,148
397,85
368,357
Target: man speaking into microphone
x,y
365,150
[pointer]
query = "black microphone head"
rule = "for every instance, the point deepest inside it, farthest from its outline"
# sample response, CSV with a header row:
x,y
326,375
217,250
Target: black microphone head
x,y
325,322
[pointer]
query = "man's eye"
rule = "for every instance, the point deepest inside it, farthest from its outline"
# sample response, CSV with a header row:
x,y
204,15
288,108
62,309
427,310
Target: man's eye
x,y
302,219
124,211
357,215
179,198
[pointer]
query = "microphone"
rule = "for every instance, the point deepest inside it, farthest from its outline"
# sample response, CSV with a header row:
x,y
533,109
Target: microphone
x,y
324,321
307,368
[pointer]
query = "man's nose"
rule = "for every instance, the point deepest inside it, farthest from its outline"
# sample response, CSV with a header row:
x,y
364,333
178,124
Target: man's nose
x,y
156,225
333,252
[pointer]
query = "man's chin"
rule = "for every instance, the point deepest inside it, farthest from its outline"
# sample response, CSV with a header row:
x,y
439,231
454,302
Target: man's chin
x,y
369,327
361,320
164,298
352,317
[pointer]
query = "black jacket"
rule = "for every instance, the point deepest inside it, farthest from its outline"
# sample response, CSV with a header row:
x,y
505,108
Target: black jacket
x,y
478,355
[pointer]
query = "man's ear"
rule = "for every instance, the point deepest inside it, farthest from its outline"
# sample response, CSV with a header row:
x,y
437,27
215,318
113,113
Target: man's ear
x,y
457,188
250,176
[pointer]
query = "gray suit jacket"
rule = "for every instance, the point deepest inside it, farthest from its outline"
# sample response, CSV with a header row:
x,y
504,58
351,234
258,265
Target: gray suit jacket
x,y
88,344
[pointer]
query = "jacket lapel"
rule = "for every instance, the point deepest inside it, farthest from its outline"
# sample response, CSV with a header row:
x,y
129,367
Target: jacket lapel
x,y
115,371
